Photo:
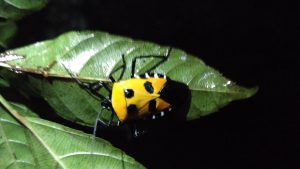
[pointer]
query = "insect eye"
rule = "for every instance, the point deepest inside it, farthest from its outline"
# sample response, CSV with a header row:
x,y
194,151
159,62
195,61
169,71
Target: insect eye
x,y
128,93
149,87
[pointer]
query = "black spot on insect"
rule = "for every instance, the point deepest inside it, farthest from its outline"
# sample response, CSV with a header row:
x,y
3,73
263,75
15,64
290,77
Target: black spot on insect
x,y
129,93
152,106
149,87
131,109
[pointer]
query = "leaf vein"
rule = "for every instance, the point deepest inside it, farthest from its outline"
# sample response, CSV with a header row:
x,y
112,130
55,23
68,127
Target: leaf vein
x,y
10,122
93,153
19,161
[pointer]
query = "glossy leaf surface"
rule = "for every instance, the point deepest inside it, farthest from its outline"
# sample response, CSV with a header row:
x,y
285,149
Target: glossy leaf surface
x,y
94,55
31,142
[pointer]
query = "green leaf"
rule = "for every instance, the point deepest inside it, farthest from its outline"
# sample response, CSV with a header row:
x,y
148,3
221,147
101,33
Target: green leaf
x,y
15,9
7,31
30,142
94,55
8,11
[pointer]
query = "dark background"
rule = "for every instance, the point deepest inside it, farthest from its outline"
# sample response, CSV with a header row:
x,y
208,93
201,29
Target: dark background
x,y
250,42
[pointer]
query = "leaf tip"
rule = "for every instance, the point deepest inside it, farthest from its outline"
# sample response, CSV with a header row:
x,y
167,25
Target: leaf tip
x,y
251,91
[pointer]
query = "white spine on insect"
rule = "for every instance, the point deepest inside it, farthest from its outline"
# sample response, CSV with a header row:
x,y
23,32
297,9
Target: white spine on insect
x,y
147,75
136,76
155,75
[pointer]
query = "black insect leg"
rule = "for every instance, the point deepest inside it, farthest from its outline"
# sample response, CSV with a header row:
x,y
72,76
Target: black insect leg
x,y
110,122
93,89
162,57
123,67
105,102
98,119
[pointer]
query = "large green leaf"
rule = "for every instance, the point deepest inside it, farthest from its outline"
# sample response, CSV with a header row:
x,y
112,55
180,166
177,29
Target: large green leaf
x,y
94,55
30,142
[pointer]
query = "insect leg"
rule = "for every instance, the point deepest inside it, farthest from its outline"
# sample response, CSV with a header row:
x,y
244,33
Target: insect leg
x,y
110,122
105,103
91,87
123,67
93,145
162,57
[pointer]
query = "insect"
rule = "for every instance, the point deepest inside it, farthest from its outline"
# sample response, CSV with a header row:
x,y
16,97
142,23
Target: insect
x,y
140,96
